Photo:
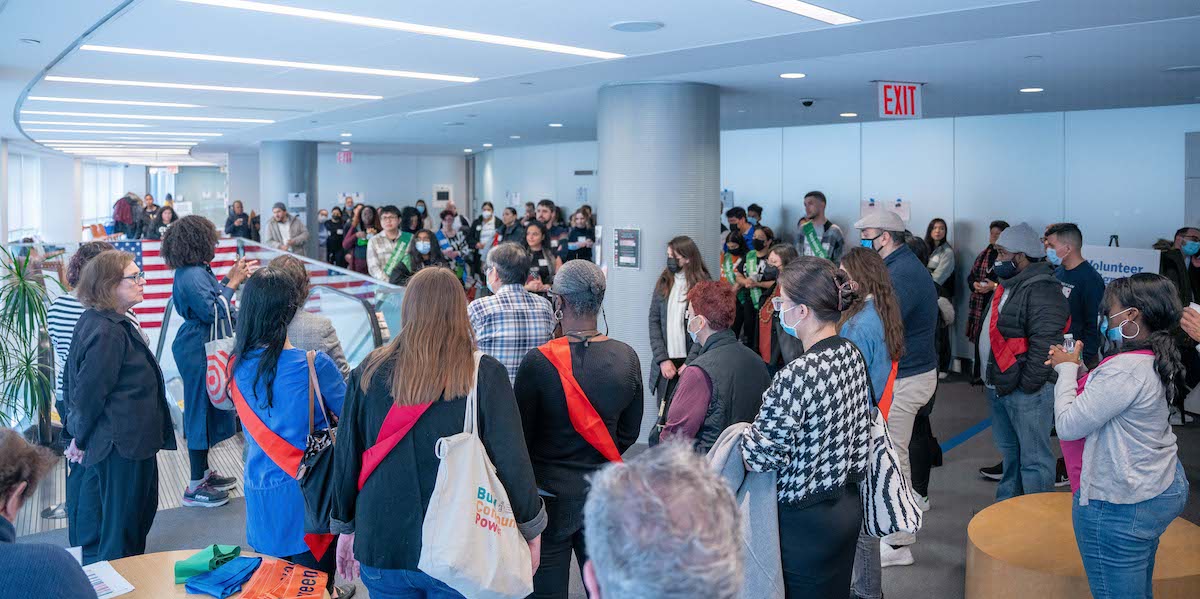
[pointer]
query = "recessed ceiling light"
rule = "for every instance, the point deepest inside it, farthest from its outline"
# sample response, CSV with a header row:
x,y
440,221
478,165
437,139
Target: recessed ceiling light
x,y
68,142
811,11
468,150
1032,90
514,137
107,115
848,115
453,124
90,132
407,27
312,66
345,143
347,135
741,110
487,145
556,125
75,124
526,83
636,26
791,75
212,88
120,102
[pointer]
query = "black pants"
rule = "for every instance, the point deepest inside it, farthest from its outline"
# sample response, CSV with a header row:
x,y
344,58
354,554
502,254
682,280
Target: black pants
x,y
924,452
327,563
749,322
739,318
128,502
562,537
817,545
942,345
83,510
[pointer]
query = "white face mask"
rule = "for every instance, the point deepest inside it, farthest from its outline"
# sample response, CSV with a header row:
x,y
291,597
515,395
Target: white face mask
x,y
487,215
693,334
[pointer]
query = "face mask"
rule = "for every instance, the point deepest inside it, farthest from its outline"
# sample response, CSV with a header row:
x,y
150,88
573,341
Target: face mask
x,y
1190,248
321,218
770,273
672,266
789,329
421,209
693,334
1115,334
1005,269
736,250
868,243
753,221
487,215
492,286
1052,257
423,247
760,245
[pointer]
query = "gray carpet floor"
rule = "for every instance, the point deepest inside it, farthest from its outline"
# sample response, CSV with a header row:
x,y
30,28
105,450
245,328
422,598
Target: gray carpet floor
x,y
957,493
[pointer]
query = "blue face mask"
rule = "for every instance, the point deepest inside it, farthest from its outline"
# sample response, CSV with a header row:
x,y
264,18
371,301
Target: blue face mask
x,y
789,329
868,243
423,247
421,209
753,221
1190,248
1052,257
1005,269
1114,334
695,335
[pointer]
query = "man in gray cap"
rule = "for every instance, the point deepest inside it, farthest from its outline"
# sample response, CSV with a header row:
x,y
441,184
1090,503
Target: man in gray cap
x,y
1027,315
286,232
916,375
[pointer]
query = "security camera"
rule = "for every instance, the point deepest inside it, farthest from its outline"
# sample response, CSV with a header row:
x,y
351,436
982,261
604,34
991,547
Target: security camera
x,y
807,102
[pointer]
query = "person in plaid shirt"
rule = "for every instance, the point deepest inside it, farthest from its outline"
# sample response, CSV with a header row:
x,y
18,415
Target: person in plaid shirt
x,y
513,321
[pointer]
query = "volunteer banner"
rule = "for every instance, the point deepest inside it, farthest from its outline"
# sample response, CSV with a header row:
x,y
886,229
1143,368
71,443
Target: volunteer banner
x,y
1116,262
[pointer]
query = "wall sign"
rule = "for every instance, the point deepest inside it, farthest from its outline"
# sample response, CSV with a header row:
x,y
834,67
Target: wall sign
x,y
627,248
344,157
899,100
871,205
1117,262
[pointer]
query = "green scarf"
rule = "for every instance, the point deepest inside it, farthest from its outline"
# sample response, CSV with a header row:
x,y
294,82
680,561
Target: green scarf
x,y
399,254
752,267
727,268
814,242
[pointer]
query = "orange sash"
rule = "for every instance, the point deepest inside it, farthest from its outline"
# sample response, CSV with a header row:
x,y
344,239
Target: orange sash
x,y
885,401
284,454
1006,350
581,411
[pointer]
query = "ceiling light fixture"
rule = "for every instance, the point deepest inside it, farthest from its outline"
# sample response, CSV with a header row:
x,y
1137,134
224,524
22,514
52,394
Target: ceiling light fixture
x,y
1032,90
108,115
119,102
848,115
811,11
487,145
514,137
90,132
345,143
81,142
110,151
791,75
636,26
347,135
556,125
468,150
75,124
311,66
335,17
212,88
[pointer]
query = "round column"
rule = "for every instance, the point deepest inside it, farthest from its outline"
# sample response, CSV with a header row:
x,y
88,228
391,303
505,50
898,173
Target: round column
x,y
287,167
659,163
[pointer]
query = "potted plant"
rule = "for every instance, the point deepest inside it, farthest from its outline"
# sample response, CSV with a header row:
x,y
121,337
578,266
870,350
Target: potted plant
x,y
26,370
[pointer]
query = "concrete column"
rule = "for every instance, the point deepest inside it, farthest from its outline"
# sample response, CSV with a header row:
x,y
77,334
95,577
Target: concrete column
x,y
659,163
3,191
287,167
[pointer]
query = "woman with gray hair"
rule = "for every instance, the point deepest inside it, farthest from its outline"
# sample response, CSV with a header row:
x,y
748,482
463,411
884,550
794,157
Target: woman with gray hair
x,y
580,398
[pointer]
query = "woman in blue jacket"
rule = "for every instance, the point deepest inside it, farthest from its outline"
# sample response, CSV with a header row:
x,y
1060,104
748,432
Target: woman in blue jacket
x,y
272,377
189,247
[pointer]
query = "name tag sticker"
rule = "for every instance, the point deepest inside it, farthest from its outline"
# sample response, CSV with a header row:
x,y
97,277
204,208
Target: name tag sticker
x,y
543,262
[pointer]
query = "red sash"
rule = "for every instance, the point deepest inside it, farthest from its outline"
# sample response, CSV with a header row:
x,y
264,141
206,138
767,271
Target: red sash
x,y
1006,350
885,401
583,415
397,423
284,454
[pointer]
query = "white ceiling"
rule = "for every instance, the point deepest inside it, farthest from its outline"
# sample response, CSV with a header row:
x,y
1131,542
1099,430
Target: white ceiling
x,y
971,53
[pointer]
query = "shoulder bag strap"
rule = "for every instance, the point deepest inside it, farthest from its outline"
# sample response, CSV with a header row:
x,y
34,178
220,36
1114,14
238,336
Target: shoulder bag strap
x,y
314,388
284,454
583,415
471,417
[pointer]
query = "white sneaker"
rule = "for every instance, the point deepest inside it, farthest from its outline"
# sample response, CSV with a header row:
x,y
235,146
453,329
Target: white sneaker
x,y
894,557
922,502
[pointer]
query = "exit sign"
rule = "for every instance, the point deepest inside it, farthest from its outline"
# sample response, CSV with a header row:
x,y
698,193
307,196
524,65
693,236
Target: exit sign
x,y
899,100
344,157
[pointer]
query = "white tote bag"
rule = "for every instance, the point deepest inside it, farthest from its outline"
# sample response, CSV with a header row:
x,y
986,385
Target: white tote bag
x,y
470,539
888,503
216,352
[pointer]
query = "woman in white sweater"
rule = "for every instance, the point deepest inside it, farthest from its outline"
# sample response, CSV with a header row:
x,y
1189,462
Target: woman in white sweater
x,y
1132,484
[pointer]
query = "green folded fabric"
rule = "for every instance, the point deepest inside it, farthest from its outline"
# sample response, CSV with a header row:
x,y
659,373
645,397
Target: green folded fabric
x,y
207,560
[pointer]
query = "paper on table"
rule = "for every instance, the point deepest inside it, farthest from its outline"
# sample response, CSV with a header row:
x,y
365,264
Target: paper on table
x,y
106,581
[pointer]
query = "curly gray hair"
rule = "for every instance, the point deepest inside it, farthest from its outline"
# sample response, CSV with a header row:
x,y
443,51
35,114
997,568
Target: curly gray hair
x,y
663,525
581,285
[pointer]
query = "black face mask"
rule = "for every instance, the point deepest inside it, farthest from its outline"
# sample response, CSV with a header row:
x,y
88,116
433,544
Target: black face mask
x,y
770,273
736,250
1005,269
760,244
672,265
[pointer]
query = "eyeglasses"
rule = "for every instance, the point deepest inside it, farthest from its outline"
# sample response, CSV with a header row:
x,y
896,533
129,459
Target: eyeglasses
x,y
140,277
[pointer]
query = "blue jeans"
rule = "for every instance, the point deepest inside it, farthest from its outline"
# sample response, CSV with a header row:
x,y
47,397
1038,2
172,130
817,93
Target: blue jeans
x,y
1118,541
404,584
1021,424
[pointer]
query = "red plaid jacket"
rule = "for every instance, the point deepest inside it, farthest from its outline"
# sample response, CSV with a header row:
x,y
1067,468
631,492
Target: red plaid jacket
x,y
981,271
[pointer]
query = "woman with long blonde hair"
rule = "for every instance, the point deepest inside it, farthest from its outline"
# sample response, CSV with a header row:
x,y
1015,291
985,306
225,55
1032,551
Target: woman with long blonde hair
x,y
423,377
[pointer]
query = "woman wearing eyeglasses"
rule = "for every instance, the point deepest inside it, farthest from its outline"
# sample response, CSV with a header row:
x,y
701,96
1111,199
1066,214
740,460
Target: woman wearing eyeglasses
x,y
117,406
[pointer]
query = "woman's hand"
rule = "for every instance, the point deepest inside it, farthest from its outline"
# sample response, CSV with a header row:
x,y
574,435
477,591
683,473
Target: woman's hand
x,y
347,566
241,271
1058,355
73,453
360,235
668,369
535,552
1191,323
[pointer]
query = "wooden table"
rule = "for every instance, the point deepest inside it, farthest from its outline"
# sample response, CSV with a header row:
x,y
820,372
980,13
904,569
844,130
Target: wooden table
x,y
153,574
1025,547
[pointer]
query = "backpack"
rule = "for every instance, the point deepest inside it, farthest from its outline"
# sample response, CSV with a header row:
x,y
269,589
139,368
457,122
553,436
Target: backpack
x,y
122,212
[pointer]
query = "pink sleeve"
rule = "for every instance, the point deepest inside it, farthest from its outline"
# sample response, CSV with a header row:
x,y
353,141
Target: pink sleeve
x,y
689,404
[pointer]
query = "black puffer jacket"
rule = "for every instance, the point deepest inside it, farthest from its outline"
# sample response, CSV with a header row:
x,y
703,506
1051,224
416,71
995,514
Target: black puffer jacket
x,y
1036,310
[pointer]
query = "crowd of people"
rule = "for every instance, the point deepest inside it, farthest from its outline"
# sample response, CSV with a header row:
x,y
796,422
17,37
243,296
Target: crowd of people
x,y
779,358
141,218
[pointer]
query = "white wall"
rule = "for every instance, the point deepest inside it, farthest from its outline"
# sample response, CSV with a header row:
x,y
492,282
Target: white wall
x,y
537,172
62,209
135,180
383,179
243,180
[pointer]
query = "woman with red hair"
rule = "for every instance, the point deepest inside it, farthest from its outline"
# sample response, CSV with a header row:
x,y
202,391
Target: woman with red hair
x,y
725,381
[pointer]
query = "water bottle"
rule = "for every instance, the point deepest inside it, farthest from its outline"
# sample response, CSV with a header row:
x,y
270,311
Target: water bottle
x,y
1069,343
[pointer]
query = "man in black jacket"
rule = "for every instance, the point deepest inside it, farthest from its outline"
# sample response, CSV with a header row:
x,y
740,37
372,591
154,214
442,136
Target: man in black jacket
x,y
1028,314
